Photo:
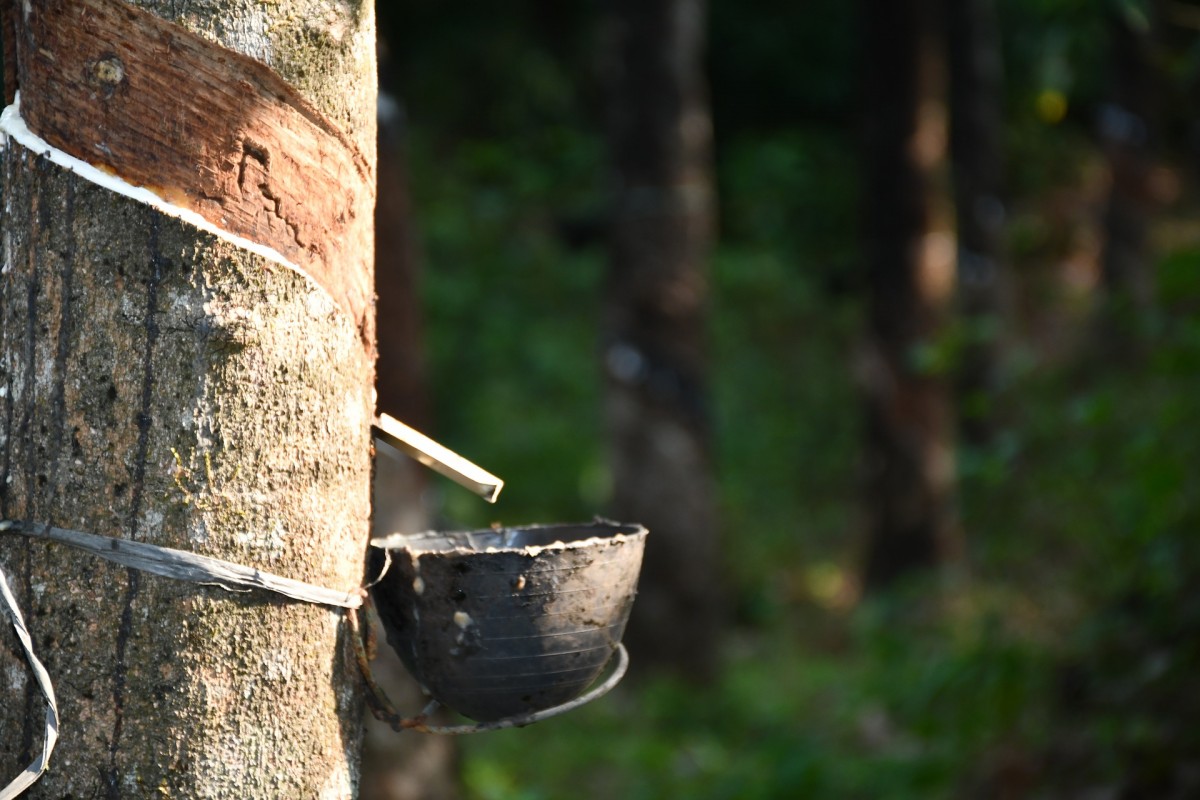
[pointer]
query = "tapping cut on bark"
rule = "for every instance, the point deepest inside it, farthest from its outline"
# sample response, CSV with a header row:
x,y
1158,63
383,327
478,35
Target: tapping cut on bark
x,y
205,128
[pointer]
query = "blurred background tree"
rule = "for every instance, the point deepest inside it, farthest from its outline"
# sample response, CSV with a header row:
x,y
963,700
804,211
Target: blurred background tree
x,y
909,253
654,328
1066,665
976,118
1129,132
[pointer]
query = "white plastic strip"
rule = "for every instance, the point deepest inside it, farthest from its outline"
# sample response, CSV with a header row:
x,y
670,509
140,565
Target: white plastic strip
x,y
185,566
12,125
34,770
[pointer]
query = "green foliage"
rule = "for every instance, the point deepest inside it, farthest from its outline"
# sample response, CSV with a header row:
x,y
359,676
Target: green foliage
x,y
1068,657
478,69
512,316
1074,644
784,360
1054,45
895,716
773,64
794,192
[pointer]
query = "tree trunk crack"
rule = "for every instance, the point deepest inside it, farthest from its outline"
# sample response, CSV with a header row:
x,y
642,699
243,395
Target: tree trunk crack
x,y
119,673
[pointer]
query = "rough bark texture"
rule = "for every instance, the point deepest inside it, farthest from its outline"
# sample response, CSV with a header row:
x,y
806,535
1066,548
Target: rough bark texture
x,y
910,271
976,127
159,384
660,142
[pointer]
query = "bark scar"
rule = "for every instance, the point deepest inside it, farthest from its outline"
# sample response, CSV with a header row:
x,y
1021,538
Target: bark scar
x,y
256,160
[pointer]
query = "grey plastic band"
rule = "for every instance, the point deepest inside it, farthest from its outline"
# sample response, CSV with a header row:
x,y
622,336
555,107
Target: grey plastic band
x,y
185,566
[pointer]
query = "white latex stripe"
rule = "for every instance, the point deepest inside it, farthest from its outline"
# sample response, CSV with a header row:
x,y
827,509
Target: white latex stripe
x,y
34,770
12,125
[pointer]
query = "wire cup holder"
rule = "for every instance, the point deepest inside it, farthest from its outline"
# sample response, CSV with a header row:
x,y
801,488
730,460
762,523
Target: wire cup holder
x,y
383,710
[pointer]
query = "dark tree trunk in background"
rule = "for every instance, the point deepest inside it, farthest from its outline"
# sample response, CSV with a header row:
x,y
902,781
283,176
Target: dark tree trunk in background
x,y
400,766
400,375
654,337
1127,133
976,127
910,271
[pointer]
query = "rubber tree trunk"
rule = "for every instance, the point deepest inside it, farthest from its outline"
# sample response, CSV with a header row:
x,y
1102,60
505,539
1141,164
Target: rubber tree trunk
x,y
976,128
654,324
910,248
159,383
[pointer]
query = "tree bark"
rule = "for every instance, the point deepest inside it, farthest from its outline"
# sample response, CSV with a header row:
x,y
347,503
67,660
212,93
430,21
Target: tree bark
x,y
910,249
660,142
162,384
976,127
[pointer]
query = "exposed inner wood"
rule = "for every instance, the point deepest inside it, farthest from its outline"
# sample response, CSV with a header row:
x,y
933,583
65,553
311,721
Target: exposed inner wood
x,y
205,128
